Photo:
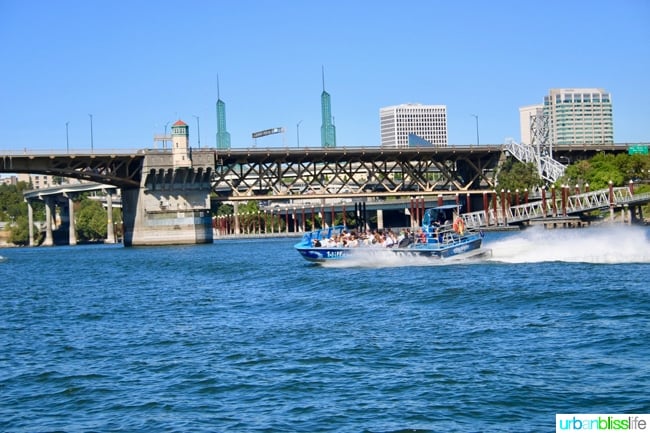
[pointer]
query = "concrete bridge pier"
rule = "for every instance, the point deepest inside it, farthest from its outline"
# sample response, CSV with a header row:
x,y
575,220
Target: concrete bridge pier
x,y
49,207
110,231
636,214
236,213
30,222
380,219
172,204
72,228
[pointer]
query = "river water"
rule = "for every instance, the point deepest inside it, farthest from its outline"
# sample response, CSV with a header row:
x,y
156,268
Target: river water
x,y
246,336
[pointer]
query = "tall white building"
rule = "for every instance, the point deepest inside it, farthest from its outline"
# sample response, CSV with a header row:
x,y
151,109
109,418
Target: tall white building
x,y
579,116
413,125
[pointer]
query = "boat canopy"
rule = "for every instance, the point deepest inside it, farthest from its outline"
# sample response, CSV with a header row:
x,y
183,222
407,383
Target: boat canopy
x,y
438,213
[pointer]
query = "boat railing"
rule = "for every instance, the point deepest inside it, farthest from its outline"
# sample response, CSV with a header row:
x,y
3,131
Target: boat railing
x,y
441,235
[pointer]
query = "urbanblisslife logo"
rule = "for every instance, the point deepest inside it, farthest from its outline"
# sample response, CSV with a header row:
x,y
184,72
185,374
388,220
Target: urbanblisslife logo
x,y
573,422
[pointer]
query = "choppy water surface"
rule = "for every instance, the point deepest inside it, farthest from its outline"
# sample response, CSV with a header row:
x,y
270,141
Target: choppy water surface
x,y
246,336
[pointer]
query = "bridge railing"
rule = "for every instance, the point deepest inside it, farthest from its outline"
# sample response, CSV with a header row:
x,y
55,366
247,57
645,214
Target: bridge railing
x,y
635,197
548,168
599,199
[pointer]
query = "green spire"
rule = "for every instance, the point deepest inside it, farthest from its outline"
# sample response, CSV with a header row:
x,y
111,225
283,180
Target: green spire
x,y
327,129
223,136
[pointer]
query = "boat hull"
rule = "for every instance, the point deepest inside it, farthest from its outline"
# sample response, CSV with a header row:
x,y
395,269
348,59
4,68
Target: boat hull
x,y
326,254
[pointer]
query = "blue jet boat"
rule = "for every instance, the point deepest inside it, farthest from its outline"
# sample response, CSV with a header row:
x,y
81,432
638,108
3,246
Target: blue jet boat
x,y
443,234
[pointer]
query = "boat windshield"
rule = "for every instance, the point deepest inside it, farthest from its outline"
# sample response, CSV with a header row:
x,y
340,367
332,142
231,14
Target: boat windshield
x,y
438,214
427,219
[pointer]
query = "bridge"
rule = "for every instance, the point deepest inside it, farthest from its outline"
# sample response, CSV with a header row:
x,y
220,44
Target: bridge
x,y
67,192
166,193
560,206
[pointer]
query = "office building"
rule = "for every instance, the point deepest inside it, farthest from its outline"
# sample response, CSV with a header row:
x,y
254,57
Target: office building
x,y
579,116
413,125
37,181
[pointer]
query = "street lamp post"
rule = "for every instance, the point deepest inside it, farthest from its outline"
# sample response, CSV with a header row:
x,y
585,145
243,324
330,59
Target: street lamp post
x,y
298,132
476,117
67,138
198,130
92,145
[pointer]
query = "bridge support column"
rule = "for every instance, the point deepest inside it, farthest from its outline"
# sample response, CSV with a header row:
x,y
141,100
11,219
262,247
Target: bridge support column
x,y
323,221
172,204
146,222
49,207
30,221
235,210
110,230
72,227
380,219
637,213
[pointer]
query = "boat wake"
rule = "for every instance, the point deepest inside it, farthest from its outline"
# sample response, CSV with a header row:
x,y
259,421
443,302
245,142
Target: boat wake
x,y
603,244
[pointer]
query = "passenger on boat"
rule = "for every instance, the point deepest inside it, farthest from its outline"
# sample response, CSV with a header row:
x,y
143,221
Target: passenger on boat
x,y
401,237
421,237
404,239
459,225
389,239
368,238
316,243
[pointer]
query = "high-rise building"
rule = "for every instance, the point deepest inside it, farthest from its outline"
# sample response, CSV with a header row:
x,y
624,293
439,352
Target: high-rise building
x,y
327,129
413,125
223,136
579,116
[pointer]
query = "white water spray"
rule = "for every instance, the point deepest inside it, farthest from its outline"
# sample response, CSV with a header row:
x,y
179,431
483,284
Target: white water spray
x,y
602,244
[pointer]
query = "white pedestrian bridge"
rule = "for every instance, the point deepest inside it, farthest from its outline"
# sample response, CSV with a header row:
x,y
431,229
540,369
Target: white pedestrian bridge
x,y
559,205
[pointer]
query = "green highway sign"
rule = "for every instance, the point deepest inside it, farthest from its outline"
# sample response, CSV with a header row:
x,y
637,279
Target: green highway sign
x,y
642,150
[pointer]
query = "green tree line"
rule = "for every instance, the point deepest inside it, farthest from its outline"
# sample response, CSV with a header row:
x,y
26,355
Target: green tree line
x,y
597,172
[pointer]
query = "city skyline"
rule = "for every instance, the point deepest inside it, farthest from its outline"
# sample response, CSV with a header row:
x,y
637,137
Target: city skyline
x,y
69,66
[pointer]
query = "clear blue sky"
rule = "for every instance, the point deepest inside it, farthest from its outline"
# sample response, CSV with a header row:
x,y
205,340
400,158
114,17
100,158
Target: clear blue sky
x,y
137,65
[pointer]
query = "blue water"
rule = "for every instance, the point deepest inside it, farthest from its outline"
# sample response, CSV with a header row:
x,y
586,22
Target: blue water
x,y
245,336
